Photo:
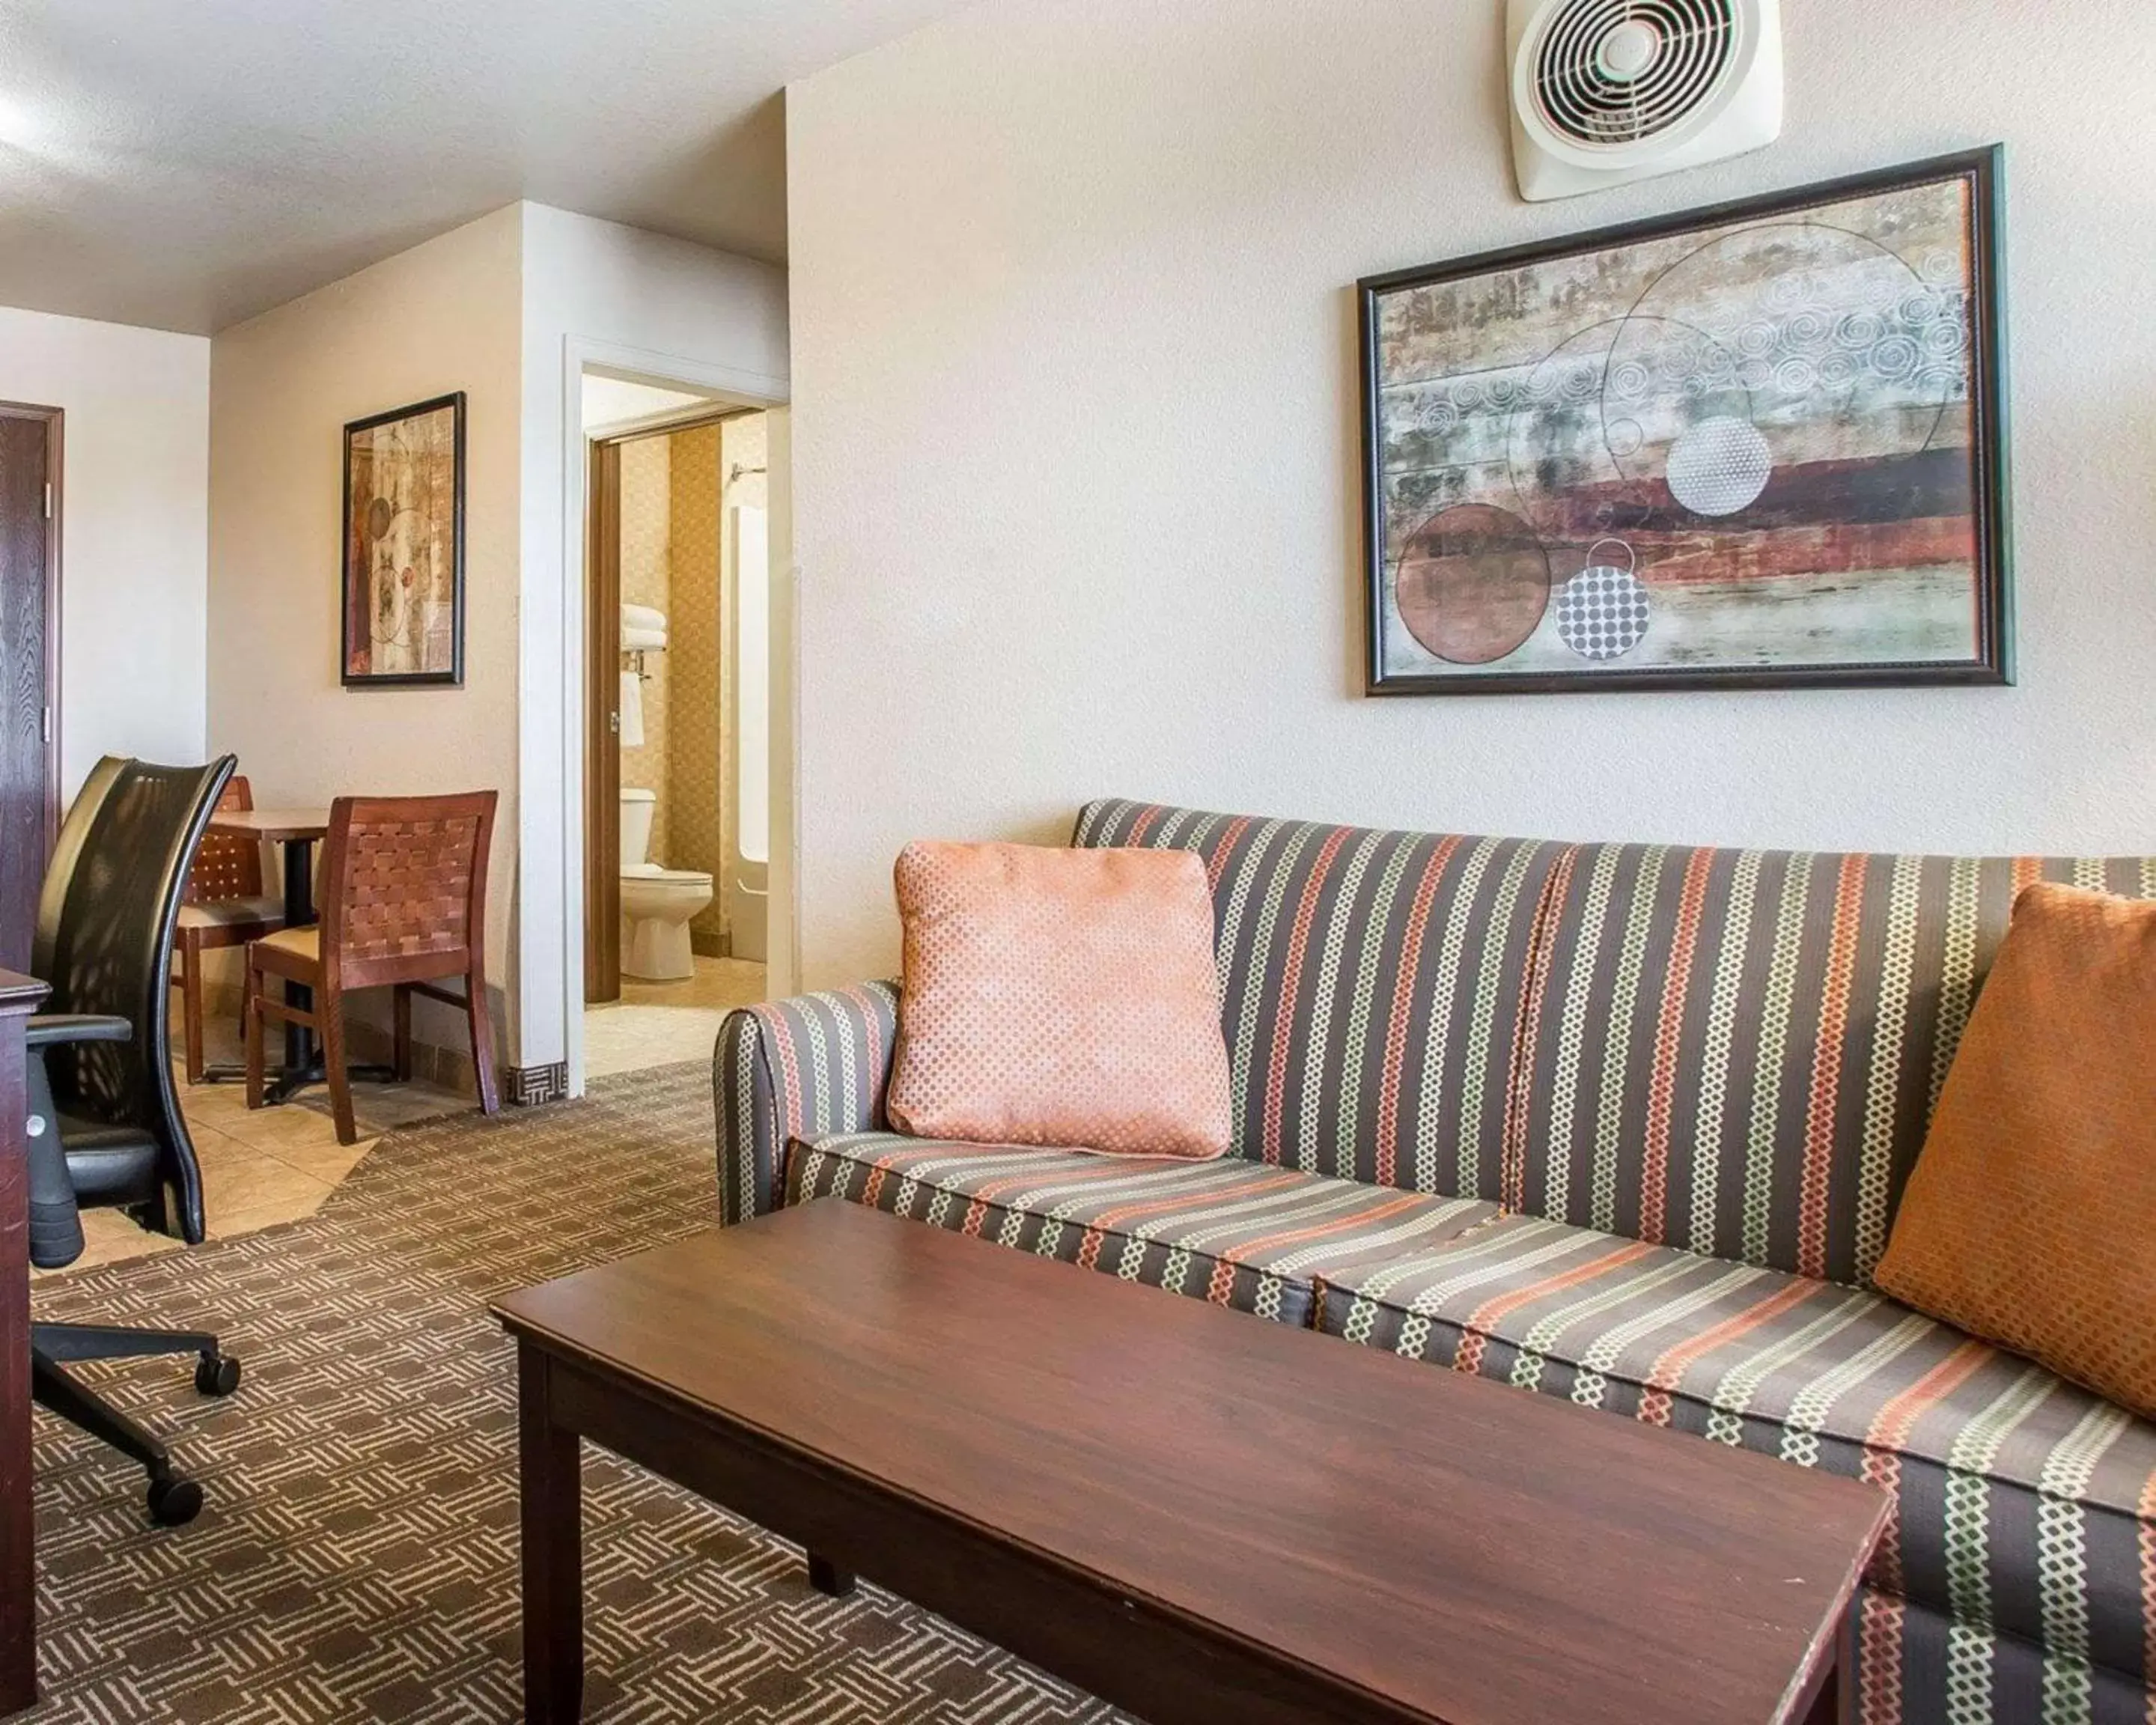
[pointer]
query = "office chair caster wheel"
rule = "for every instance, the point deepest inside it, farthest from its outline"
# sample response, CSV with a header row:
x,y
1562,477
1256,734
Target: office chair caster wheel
x,y
217,1374
174,1502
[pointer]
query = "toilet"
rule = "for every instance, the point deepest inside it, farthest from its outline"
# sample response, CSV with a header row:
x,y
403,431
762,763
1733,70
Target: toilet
x,y
656,903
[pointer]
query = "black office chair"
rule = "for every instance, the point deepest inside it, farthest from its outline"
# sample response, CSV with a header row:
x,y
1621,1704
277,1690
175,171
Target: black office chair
x,y
105,1127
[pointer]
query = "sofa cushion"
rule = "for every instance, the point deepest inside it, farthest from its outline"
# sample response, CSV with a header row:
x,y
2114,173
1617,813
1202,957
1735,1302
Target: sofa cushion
x,y
2030,1219
1061,999
2026,1504
1232,1232
1917,1666
1738,1052
1371,985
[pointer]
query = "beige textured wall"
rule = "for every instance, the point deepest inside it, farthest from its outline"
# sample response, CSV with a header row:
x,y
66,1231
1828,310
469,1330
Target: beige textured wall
x,y
589,282
1076,459
694,743
495,308
647,513
135,532
442,316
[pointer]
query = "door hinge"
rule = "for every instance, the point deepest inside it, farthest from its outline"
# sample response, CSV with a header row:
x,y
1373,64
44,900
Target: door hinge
x,y
45,725
48,500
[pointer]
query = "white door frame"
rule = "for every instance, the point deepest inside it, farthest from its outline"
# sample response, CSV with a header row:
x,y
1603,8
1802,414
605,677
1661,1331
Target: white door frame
x,y
734,386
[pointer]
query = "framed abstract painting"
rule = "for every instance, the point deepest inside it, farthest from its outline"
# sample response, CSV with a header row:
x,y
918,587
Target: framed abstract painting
x,y
1760,445
404,547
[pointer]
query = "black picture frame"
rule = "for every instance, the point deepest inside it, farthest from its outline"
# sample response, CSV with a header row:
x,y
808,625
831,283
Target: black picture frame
x,y
1983,171
352,557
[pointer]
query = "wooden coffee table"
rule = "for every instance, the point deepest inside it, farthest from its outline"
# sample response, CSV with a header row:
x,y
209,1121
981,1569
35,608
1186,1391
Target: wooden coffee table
x,y
1194,1514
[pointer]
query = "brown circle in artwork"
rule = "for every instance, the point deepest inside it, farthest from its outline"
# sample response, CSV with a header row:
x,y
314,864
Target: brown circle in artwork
x,y
1473,583
379,514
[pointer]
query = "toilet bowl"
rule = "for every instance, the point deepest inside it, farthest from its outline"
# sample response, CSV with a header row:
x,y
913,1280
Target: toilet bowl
x,y
656,903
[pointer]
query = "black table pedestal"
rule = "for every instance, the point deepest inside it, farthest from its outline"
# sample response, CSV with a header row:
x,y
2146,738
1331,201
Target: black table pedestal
x,y
303,1063
303,1056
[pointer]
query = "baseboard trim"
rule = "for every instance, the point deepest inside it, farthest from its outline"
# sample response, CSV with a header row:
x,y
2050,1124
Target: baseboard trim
x,y
535,1086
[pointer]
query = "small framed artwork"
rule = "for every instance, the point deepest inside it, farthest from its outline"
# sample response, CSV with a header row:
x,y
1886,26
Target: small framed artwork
x,y
404,547
1759,445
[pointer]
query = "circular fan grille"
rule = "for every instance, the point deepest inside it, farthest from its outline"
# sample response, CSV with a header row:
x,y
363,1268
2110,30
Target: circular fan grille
x,y
1613,72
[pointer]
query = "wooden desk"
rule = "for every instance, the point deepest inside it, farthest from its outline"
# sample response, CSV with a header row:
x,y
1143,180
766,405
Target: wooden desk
x,y
297,831
1196,1515
19,997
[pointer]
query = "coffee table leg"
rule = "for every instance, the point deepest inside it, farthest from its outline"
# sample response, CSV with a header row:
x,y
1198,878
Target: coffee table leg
x,y
551,1477
826,1576
1826,1710
1828,1706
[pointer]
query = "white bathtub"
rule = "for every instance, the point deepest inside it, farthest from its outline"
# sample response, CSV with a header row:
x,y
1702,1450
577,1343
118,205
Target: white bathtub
x,y
750,911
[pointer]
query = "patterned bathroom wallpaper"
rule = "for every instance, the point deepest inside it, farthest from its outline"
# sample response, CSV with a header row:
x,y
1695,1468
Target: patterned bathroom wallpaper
x,y
694,740
646,531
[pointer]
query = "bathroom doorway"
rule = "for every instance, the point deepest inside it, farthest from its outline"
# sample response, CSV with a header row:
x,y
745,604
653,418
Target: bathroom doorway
x,y
677,815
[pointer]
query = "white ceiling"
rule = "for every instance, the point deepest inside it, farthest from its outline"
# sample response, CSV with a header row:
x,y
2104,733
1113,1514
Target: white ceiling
x,y
187,163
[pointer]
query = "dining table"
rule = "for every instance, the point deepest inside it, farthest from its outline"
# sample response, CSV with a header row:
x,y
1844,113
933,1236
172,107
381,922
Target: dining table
x,y
296,832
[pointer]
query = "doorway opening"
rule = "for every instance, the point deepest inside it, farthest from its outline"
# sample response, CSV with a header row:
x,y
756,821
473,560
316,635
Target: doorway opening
x,y
677,759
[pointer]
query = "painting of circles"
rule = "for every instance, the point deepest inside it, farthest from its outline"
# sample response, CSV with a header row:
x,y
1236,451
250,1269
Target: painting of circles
x,y
1786,413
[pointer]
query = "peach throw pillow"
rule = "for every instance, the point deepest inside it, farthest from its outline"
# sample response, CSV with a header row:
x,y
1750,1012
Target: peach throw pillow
x,y
2029,1217
1059,998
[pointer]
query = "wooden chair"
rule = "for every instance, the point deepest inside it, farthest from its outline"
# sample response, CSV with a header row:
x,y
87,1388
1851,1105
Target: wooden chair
x,y
403,906
224,906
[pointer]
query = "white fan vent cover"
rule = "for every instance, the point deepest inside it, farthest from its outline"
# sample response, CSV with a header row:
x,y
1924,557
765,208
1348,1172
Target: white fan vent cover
x,y
1605,92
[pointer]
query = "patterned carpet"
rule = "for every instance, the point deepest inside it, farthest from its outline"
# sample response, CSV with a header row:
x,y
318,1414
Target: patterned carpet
x,y
357,1560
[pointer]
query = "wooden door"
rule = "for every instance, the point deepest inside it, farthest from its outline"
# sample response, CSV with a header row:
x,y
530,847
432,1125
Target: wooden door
x,y
602,730
29,667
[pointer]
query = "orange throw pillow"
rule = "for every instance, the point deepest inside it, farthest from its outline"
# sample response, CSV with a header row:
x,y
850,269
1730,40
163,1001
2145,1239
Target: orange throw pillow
x,y
1059,998
2030,1215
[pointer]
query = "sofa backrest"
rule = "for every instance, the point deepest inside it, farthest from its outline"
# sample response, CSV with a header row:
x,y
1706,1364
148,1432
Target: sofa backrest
x,y
1371,985
1736,1052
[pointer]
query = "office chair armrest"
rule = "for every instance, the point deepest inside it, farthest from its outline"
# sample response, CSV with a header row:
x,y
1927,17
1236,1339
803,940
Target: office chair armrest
x,y
48,1030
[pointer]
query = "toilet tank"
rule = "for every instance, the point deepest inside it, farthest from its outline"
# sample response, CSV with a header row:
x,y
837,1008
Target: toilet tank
x,y
637,808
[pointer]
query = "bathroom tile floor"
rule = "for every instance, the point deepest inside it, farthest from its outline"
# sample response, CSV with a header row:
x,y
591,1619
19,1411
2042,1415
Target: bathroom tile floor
x,y
662,1024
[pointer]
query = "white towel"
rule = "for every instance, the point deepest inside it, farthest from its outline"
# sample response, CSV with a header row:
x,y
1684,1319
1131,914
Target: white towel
x,y
643,640
643,617
632,711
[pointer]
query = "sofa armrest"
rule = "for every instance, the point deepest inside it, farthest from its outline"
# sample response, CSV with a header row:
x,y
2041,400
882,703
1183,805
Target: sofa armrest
x,y
796,1069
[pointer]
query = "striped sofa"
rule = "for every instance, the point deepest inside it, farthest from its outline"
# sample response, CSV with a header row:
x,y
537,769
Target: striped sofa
x,y
1618,1122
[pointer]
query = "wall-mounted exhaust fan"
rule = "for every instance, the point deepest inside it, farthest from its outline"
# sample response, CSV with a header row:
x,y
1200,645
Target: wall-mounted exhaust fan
x,y
1604,91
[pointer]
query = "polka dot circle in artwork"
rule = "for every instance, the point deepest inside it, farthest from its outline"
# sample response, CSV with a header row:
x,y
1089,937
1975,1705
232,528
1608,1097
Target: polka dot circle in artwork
x,y
1719,466
1603,612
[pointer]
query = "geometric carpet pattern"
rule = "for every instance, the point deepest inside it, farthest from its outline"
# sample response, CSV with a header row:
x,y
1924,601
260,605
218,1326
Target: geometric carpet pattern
x,y
356,1558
